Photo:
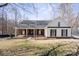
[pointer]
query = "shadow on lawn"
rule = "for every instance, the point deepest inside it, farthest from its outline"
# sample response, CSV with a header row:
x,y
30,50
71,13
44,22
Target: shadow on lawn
x,y
54,52
51,51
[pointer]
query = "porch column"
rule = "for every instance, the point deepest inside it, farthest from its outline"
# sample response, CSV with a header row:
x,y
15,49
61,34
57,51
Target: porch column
x,y
15,32
26,32
46,32
34,32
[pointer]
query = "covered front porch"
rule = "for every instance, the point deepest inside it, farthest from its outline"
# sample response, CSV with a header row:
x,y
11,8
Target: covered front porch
x,y
30,32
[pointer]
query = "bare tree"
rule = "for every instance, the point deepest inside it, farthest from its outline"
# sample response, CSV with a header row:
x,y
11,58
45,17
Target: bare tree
x,y
3,4
15,11
6,22
77,21
66,13
65,10
2,19
53,9
24,9
35,10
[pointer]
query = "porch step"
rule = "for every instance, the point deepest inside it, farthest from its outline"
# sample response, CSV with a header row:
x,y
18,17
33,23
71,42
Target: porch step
x,y
29,38
20,36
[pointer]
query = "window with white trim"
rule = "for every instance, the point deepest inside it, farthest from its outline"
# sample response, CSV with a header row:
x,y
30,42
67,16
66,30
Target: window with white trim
x,y
53,32
64,32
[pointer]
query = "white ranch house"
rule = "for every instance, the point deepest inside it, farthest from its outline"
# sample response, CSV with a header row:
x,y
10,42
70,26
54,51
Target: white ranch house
x,y
54,28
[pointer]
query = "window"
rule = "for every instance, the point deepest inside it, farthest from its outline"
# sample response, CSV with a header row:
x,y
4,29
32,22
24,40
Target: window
x,y
64,32
58,24
53,32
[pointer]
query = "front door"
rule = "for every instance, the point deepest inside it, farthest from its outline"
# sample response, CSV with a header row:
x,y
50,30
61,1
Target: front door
x,y
53,33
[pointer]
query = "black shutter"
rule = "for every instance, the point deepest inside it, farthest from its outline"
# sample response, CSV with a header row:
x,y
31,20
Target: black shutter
x,y
66,32
55,32
51,32
62,32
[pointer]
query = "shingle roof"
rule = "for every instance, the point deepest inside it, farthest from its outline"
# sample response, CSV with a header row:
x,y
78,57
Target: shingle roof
x,y
33,24
43,23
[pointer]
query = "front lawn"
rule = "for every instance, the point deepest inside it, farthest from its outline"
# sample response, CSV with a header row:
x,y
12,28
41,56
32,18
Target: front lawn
x,y
51,46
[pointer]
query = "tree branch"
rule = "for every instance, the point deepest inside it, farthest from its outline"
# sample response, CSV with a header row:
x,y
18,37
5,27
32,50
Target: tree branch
x,y
4,5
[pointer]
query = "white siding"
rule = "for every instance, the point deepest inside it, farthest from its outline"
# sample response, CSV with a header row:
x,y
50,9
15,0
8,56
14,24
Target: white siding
x,y
69,32
45,33
58,33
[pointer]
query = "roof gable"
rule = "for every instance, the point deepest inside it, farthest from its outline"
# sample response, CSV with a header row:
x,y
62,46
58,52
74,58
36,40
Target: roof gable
x,y
58,23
